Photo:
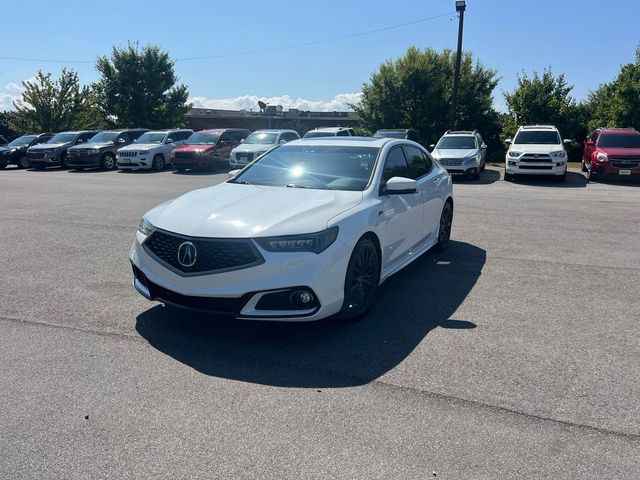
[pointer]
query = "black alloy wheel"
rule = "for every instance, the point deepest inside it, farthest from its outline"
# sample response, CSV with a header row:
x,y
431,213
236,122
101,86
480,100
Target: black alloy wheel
x,y
63,160
361,281
158,162
444,232
108,161
24,162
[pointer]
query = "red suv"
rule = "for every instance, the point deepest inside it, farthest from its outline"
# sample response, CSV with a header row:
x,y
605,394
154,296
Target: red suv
x,y
208,148
612,151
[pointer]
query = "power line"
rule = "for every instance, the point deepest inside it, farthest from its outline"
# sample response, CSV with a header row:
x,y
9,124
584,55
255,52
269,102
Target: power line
x,y
264,50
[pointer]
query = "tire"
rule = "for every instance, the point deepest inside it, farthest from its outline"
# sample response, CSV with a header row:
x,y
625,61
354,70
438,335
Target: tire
x,y
476,176
63,161
508,177
444,230
23,162
591,177
483,166
108,162
361,281
158,163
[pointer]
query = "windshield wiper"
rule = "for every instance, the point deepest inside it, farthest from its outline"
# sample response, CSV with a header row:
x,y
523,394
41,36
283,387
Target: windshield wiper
x,y
295,185
241,182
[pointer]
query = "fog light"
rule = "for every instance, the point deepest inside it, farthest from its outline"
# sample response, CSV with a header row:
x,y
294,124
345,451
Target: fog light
x,y
301,298
511,162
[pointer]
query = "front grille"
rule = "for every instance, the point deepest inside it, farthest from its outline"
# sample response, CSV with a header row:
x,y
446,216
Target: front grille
x,y
79,153
625,162
185,155
536,167
213,255
451,162
35,155
528,157
228,306
127,154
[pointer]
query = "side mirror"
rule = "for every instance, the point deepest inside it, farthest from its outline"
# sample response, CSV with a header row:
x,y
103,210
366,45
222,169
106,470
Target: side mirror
x,y
242,140
79,141
567,140
484,146
282,140
508,141
122,140
590,142
235,172
169,140
400,185
432,146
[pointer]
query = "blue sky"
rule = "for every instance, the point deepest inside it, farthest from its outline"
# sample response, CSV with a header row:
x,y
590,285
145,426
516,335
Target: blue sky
x,y
587,40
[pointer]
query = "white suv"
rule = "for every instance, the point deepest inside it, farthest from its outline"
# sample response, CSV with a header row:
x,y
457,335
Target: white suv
x,y
536,150
152,150
330,132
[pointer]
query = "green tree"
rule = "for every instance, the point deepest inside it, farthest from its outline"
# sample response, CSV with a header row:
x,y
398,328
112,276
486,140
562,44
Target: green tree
x,y
415,92
138,88
49,105
617,104
542,99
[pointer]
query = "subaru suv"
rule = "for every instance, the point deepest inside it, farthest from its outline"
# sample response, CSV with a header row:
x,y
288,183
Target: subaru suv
x,y
208,148
536,150
54,151
16,150
330,132
612,151
100,150
152,150
258,143
461,153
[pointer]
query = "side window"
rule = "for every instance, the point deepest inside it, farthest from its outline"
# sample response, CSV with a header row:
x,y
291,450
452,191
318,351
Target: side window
x,y
225,137
417,161
83,137
42,139
594,137
135,134
342,133
395,165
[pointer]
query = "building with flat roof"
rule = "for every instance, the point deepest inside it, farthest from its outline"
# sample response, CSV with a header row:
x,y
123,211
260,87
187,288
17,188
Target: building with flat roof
x,y
271,117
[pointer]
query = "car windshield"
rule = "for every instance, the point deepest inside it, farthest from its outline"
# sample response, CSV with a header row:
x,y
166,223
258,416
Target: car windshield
x,y
63,138
313,134
390,134
325,167
457,142
23,141
631,140
151,138
104,137
538,137
262,138
202,138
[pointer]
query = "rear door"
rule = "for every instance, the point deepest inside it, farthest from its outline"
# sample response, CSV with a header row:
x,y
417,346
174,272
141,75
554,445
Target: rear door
x,y
402,214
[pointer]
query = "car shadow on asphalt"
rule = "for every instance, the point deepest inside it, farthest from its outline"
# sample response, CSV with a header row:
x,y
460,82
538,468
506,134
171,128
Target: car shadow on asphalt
x,y
487,177
200,171
327,353
574,180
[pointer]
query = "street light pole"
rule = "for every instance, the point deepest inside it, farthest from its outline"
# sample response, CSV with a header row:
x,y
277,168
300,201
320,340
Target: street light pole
x,y
460,8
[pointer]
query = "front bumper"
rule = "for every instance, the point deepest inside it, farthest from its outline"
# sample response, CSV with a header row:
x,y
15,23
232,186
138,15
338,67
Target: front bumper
x,y
48,160
195,161
516,167
238,293
133,163
92,160
615,169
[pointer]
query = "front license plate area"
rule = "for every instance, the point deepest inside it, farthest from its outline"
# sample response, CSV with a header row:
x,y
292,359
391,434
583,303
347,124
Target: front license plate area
x,y
624,172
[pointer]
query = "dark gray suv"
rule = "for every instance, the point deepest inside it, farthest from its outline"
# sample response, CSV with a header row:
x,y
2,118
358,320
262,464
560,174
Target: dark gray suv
x,y
100,150
54,151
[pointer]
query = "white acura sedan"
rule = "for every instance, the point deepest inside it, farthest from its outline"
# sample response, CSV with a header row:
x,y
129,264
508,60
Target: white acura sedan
x,y
307,231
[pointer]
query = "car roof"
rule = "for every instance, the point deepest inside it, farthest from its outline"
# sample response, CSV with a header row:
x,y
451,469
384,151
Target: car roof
x,y
460,134
274,130
78,132
222,130
538,127
351,141
618,131
330,129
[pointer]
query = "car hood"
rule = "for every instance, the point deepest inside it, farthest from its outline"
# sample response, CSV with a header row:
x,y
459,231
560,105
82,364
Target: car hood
x,y
195,148
90,145
140,146
232,210
621,152
252,148
530,148
46,146
454,152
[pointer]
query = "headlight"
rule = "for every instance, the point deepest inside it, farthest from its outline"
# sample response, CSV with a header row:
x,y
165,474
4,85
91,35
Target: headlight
x,y
561,154
145,227
232,155
312,242
602,157
514,154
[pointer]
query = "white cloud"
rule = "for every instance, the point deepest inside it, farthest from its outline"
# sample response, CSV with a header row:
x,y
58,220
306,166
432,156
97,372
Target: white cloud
x,y
247,102
10,92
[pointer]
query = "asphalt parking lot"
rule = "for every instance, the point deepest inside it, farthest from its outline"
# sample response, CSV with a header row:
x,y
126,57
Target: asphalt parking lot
x,y
514,354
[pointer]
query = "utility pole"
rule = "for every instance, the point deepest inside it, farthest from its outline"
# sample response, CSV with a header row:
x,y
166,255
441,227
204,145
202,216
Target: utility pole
x,y
460,8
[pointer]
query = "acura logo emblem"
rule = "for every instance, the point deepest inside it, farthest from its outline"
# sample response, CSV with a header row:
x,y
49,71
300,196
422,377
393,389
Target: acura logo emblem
x,y
187,254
